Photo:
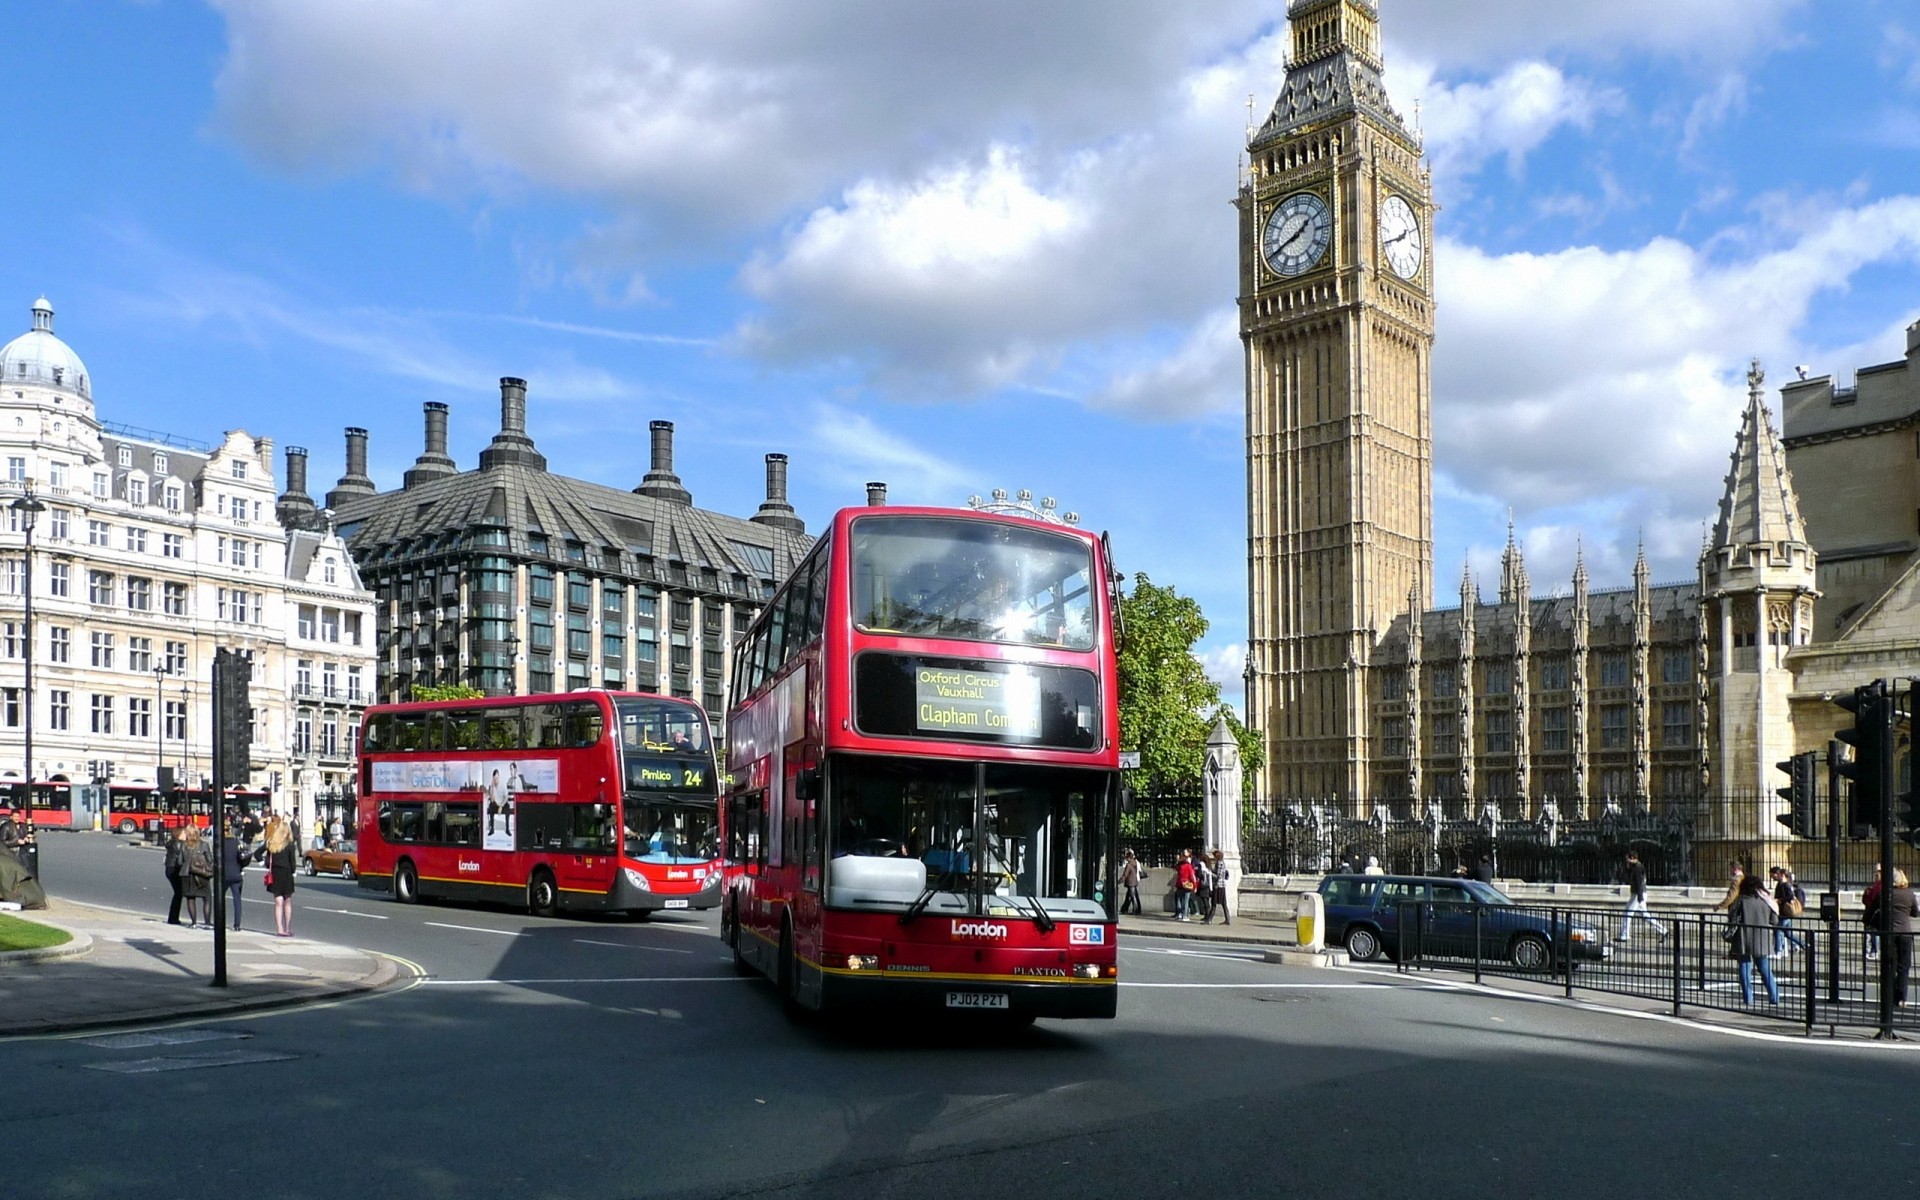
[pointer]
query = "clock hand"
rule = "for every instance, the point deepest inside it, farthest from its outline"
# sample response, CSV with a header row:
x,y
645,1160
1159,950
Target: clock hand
x,y
1290,230
1403,237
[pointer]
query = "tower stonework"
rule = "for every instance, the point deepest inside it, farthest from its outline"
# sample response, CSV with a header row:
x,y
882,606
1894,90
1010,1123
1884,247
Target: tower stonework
x,y
1336,315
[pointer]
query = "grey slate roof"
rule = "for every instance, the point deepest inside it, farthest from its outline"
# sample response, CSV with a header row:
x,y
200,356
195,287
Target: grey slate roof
x,y
616,527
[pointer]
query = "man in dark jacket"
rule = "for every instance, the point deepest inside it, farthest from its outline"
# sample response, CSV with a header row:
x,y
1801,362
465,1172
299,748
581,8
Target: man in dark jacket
x,y
1637,901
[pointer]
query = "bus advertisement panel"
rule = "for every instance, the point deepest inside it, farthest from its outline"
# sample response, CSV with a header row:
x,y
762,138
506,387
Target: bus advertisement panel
x,y
923,770
594,801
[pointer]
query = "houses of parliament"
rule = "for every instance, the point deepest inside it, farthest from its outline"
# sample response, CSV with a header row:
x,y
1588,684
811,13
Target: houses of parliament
x,y
1361,687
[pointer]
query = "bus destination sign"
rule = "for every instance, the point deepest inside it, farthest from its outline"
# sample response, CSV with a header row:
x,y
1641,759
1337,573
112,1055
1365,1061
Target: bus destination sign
x,y
952,700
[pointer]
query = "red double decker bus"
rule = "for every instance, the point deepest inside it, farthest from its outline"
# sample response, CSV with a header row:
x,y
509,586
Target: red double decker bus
x,y
923,770
592,801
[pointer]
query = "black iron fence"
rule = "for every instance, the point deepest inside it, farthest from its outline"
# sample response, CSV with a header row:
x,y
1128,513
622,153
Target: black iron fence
x,y
1680,842
1818,973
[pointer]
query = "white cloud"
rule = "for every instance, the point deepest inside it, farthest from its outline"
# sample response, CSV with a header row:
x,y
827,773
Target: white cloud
x,y
1506,117
1224,665
1479,33
854,450
1203,375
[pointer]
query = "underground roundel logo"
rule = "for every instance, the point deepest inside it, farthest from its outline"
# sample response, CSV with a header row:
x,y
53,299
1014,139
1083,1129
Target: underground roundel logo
x,y
1086,935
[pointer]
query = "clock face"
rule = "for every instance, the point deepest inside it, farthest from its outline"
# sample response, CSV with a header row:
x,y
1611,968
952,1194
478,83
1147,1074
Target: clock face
x,y
1400,239
1297,233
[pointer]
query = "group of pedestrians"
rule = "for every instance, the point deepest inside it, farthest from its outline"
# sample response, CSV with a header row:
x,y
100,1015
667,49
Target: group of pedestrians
x,y
189,868
1199,886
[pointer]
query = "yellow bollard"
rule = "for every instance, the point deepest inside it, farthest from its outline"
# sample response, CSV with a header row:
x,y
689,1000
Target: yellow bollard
x,y
1310,921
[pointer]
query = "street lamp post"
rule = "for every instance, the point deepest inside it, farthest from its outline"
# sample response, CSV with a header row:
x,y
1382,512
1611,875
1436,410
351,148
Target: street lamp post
x,y
29,509
159,725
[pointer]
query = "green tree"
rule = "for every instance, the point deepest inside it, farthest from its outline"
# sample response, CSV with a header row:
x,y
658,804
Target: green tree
x,y
450,691
1167,703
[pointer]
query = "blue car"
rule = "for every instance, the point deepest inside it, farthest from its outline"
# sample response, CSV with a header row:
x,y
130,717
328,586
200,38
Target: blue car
x,y
1364,914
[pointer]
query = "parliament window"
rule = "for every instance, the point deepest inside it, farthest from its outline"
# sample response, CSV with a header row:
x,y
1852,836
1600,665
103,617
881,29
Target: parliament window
x,y
1613,670
1676,724
1553,675
1553,730
1613,727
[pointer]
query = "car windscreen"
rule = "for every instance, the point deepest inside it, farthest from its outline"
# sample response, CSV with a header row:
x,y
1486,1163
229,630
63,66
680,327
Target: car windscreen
x,y
1486,893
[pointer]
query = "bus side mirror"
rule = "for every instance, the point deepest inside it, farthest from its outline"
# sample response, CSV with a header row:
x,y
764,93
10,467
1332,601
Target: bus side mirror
x,y
806,783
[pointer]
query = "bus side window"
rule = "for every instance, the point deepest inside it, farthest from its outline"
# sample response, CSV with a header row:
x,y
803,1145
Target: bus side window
x,y
463,824
463,731
585,725
503,730
546,725
379,729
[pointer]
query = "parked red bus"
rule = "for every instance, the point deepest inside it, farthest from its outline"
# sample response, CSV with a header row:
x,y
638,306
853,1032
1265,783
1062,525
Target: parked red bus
x,y
592,800
923,782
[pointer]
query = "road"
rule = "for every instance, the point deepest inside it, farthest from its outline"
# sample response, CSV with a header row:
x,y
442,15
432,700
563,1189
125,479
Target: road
x,y
570,1058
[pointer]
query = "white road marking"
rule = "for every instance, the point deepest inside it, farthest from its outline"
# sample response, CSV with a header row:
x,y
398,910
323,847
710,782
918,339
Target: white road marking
x,y
346,912
631,946
473,929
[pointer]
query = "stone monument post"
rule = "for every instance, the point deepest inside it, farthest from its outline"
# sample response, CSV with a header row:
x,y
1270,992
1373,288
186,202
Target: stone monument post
x,y
1223,809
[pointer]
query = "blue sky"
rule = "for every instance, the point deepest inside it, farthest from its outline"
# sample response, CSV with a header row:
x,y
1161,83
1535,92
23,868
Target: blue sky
x,y
956,246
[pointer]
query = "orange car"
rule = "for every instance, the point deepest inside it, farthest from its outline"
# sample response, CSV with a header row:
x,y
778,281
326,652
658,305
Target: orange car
x,y
342,856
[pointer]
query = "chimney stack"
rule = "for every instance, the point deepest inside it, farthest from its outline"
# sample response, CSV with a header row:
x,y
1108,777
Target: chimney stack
x,y
511,446
355,482
776,511
295,509
661,483
876,495
435,462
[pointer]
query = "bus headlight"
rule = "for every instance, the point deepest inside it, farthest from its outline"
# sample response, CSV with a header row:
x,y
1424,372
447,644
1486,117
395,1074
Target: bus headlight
x,y
713,880
863,962
636,879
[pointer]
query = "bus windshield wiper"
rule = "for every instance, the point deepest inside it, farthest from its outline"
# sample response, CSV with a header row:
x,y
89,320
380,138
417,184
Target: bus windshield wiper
x,y
1041,920
940,884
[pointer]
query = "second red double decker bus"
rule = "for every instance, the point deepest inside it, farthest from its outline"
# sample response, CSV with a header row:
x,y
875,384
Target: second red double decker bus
x,y
591,800
923,777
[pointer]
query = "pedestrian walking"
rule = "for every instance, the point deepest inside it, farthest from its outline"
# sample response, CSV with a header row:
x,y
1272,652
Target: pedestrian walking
x,y
1903,908
196,877
1749,933
174,867
1132,874
280,871
336,832
1637,902
1791,902
1219,904
319,834
1374,867
233,866
1202,886
1483,870
1185,880
1736,874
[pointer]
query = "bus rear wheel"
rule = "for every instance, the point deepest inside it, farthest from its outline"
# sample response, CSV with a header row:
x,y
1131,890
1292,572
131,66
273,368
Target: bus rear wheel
x,y
543,898
406,883
730,931
126,825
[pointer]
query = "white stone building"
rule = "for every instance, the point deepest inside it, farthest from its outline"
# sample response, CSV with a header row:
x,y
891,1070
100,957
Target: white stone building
x,y
152,552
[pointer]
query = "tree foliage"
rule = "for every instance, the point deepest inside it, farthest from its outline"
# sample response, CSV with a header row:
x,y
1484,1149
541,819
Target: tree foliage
x,y
1167,703
449,691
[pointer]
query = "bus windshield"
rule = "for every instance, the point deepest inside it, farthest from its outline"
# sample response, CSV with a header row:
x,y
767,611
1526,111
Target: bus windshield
x,y
1041,829
660,727
977,580
664,832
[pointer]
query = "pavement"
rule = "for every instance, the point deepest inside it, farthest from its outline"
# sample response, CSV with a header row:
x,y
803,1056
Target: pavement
x,y
1256,929
128,968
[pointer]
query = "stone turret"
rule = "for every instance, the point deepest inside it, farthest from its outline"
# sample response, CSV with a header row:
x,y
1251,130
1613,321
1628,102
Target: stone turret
x,y
295,509
660,482
355,482
775,510
511,446
434,461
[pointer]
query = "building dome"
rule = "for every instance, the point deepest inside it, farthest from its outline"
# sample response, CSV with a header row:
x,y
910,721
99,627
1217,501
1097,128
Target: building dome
x,y
39,358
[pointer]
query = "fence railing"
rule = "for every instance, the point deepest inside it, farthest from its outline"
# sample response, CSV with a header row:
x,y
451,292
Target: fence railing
x,y
1824,973
1679,842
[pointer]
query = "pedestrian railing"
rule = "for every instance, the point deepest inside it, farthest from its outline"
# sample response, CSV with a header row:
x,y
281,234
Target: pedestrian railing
x,y
1826,974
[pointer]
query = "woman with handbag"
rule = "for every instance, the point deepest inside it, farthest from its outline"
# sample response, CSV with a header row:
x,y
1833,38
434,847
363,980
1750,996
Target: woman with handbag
x,y
196,880
1751,924
280,871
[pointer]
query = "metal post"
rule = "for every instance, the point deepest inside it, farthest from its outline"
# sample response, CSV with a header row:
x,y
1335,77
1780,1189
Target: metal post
x,y
29,508
1476,941
1566,948
1884,715
1679,930
159,724
1830,903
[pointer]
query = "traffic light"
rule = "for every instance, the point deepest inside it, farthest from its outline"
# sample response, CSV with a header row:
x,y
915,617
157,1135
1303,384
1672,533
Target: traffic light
x,y
1906,801
1872,724
233,716
1798,794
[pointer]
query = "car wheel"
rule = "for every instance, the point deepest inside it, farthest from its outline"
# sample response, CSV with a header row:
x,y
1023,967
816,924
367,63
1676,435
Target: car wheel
x,y
312,869
1363,944
543,898
346,870
406,883
1530,952
126,825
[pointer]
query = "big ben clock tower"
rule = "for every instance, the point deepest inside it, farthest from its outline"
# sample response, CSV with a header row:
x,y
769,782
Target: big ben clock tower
x,y
1336,311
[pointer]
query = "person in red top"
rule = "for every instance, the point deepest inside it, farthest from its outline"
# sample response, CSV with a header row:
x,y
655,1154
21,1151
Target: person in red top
x,y
1185,881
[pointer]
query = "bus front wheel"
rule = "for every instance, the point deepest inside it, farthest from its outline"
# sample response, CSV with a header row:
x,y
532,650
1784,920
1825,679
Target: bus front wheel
x,y
406,883
543,898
